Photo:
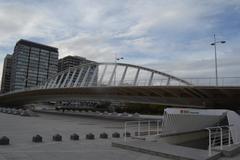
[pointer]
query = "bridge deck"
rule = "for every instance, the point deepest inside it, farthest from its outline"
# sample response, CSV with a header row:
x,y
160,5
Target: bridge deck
x,y
186,96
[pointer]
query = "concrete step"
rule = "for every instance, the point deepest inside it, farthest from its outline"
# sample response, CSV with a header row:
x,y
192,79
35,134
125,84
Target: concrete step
x,y
229,151
167,150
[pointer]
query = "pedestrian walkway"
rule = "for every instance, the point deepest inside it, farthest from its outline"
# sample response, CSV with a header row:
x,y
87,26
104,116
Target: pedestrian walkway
x,y
167,150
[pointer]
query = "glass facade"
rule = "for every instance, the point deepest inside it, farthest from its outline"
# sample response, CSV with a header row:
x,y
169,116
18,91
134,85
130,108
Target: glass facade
x,y
71,61
6,75
32,63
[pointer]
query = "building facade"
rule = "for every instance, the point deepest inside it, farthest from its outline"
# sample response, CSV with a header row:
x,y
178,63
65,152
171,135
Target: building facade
x,y
6,74
32,63
71,61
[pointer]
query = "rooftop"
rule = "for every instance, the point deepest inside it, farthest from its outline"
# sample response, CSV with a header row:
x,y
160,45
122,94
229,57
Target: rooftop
x,y
37,45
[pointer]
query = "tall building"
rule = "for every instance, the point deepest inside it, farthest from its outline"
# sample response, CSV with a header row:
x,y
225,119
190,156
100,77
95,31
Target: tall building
x,y
71,61
32,63
6,74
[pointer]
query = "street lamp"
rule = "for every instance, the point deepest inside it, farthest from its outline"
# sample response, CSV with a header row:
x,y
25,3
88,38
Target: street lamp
x,y
215,49
116,59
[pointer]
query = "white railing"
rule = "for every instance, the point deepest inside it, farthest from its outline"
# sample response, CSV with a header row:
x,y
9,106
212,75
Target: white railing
x,y
218,137
211,81
142,129
208,81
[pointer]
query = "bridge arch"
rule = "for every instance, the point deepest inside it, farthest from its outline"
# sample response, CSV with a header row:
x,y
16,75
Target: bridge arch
x,y
95,75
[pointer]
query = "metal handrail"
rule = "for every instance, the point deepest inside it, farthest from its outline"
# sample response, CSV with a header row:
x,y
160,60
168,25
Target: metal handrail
x,y
220,141
139,125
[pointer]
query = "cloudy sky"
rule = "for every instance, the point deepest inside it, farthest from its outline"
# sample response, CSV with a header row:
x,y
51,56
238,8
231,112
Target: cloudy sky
x,y
171,36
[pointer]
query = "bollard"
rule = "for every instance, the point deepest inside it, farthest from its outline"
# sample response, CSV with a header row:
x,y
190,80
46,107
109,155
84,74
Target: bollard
x,y
8,111
90,136
105,113
25,113
116,135
16,112
12,111
128,134
114,113
74,137
4,141
4,110
136,115
125,114
104,135
37,139
57,137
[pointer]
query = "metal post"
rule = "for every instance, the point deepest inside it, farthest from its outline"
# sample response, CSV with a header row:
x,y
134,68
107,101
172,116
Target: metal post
x,y
215,53
78,77
71,79
45,85
123,75
93,77
139,128
49,83
157,126
104,70
151,78
125,131
215,49
84,81
54,82
60,80
112,76
149,128
65,79
136,77
115,71
209,142
168,81
221,138
229,136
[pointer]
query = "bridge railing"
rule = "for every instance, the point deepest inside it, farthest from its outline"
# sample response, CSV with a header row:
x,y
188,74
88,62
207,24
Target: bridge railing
x,y
210,81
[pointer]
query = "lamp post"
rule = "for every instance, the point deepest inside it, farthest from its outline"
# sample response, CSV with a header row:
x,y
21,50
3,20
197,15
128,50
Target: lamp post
x,y
215,49
116,59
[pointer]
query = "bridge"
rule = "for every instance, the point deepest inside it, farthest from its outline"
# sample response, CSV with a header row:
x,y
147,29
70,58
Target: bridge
x,y
128,83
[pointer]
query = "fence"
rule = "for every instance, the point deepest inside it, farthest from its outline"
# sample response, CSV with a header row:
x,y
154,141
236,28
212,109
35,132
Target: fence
x,y
142,128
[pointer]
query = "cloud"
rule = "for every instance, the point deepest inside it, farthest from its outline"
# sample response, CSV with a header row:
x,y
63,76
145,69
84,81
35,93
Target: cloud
x,y
171,38
86,45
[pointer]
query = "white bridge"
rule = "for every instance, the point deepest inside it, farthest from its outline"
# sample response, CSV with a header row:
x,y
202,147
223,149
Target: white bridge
x,y
128,83
110,74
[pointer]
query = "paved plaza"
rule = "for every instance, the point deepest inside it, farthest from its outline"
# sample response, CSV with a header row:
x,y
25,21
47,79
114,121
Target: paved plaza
x,y
20,130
